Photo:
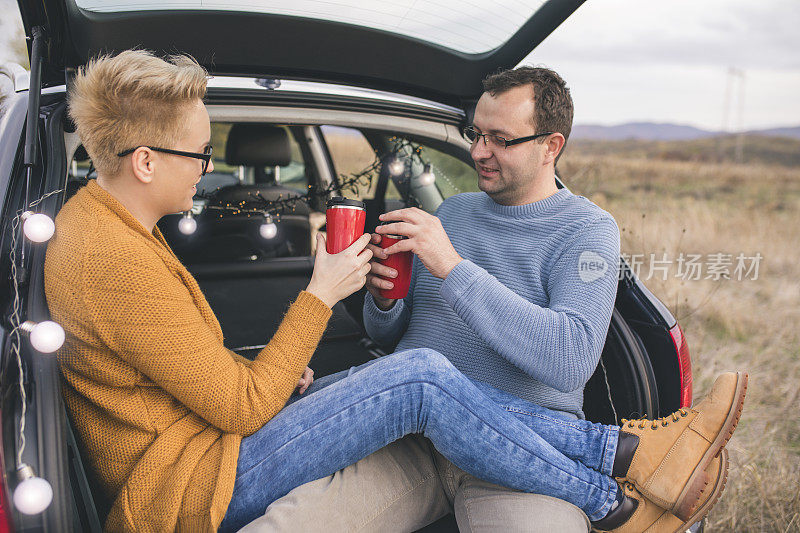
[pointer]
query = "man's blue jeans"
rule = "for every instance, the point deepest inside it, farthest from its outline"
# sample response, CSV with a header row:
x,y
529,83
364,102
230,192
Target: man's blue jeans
x,y
488,433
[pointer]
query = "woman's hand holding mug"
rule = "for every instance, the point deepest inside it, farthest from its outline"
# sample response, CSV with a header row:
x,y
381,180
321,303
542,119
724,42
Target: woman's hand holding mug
x,y
337,276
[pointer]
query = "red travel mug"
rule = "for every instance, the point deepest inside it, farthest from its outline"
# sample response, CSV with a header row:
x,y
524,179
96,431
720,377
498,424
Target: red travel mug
x,y
344,223
401,262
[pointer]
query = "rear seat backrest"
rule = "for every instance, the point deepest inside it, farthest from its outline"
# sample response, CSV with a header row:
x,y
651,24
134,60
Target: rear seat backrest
x,y
260,146
236,237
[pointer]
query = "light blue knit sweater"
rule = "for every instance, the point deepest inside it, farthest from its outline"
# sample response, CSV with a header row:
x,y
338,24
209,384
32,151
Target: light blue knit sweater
x,y
528,309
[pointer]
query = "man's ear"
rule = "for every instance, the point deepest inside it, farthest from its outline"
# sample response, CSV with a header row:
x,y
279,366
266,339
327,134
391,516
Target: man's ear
x,y
143,164
554,145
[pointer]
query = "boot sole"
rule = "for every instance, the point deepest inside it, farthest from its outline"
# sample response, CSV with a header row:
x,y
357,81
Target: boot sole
x,y
692,492
716,492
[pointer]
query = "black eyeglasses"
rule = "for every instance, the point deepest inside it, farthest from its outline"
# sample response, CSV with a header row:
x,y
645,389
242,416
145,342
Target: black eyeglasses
x,y
472,135
205,156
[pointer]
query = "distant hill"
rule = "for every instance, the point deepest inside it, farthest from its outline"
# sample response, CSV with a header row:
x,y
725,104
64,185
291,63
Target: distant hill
x,y
794,133
758,149
651,131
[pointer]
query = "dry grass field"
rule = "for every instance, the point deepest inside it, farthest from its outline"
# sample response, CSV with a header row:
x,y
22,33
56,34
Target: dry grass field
x,y
676,207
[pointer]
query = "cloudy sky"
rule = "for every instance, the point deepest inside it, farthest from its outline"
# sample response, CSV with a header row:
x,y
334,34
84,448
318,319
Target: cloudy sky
x,y
648,60
668,61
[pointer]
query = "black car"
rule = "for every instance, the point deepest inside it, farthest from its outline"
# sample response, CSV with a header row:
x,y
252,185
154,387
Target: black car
x,y
299,102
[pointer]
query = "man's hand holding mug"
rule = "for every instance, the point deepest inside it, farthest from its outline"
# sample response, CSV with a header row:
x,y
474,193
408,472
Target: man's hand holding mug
x,y
425,237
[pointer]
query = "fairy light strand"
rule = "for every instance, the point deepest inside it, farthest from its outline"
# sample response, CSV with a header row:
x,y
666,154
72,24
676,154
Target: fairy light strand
x,y
403,150
15,336
15,318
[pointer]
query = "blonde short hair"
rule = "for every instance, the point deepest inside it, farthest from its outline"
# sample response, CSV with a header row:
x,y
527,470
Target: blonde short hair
x,y
132,99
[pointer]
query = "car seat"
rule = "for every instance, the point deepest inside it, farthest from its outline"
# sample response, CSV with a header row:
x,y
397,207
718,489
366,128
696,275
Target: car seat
x,y
235,237
258,147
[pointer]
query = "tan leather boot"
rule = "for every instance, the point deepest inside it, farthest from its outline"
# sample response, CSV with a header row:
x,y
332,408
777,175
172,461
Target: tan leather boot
x,y
670,462
650,518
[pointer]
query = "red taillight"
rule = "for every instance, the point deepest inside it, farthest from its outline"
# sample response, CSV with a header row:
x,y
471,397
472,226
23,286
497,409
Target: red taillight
x,y
6,526
684,364
5,511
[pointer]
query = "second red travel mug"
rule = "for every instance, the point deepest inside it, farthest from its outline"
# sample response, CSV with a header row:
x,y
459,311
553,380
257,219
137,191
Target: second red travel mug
x,y
344,223
401,262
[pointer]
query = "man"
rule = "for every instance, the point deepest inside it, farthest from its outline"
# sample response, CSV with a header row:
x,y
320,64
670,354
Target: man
x,y
501,286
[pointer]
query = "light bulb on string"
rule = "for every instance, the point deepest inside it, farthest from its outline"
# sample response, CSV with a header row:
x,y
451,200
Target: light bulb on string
x,y
32,494
37,227
46,336
427,177
397,166
268,229
187,224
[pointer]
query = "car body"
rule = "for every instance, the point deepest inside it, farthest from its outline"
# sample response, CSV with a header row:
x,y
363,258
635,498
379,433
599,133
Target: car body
x,y
309,98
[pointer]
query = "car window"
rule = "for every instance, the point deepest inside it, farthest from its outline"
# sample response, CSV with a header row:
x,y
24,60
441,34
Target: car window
x,y
223,174
452,175
292,176
445,23
351,153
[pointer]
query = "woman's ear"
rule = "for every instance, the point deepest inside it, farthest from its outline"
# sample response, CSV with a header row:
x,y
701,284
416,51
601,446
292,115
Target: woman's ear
x,y
143,164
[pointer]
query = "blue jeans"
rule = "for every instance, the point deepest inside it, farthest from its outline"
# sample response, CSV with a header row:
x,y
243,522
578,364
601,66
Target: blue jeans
x,y
488,433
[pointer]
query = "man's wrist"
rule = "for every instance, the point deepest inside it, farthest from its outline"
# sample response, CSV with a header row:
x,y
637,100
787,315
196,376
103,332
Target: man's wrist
x,y
450,265
384,304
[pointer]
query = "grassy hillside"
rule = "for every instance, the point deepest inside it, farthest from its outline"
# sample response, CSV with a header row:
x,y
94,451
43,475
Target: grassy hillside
x,y
756,149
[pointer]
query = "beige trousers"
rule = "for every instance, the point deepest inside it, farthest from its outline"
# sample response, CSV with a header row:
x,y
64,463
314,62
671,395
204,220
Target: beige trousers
x,y
406,486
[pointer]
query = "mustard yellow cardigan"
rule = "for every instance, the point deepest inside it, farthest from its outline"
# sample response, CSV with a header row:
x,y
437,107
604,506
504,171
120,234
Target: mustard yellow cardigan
x,y
159,403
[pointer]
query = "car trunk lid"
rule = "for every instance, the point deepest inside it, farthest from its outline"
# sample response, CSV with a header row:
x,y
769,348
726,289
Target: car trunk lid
x,y
437,50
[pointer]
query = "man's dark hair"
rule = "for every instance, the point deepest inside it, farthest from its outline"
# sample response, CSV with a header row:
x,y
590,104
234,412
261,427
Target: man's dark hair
x,y
552,103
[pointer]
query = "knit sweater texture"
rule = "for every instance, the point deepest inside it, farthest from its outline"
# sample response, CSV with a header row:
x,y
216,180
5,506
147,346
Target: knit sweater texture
x,y
159,403
528,309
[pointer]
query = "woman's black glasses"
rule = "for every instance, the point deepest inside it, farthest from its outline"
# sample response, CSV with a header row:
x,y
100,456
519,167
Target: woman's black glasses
x,y
205,156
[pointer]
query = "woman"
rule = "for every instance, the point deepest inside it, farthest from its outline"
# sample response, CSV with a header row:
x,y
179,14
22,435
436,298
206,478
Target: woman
x,y
189,436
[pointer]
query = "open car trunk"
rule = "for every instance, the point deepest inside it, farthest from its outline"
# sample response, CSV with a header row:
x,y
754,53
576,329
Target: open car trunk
x,y
638,375
356,45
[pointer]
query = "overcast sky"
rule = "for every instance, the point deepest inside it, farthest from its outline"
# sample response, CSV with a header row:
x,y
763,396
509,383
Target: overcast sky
x,y
668,61
662,61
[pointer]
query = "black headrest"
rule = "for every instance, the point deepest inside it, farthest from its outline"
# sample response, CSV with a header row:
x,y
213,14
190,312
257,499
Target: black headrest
x,y
257,145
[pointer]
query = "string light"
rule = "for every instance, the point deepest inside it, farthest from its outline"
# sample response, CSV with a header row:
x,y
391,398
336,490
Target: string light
x,y
268,229
187,224
397,166
46,336
402,151
427,177
32,494
37,227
